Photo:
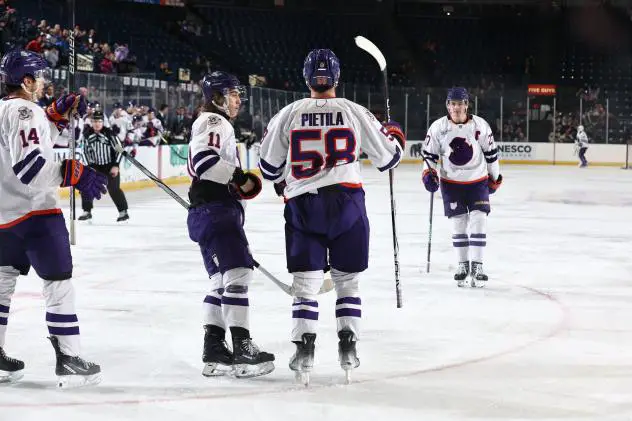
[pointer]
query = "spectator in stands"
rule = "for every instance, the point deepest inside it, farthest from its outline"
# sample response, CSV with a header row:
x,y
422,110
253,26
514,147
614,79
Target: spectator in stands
x,y
35,44
120,52
181,125
163,111
51,54
165,71
107,63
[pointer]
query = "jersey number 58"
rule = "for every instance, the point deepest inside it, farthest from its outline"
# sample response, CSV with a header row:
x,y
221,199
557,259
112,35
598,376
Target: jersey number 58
x,y
340,147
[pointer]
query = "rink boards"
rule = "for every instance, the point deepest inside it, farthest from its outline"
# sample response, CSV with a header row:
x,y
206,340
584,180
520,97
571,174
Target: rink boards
x,y
169,161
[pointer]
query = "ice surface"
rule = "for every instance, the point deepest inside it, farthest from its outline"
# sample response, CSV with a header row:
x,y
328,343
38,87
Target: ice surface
x,y
549,338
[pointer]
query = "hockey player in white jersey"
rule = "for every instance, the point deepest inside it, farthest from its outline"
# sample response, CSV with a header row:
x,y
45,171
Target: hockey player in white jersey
x,y
32,228
461,147
311,152
215,222
581,145
120,122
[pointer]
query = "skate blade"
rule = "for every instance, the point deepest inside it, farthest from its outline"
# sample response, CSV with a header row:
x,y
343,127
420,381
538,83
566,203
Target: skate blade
x,y
243,371
74,381
461,284
348,376
7,377
302,377
477,284
216,370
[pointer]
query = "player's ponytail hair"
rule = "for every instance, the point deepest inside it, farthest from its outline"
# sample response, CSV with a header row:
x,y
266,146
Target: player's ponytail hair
x,y
212,105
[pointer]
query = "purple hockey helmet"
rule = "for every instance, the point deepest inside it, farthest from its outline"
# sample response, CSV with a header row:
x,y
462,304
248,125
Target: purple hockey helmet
x,y
458,94
321,70
222,83
17,64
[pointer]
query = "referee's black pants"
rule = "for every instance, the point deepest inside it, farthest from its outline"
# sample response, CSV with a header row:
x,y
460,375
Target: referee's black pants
x,y
114,190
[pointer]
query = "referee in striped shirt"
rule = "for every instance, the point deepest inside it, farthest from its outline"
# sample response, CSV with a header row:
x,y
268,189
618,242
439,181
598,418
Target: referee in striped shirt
x,y
99,152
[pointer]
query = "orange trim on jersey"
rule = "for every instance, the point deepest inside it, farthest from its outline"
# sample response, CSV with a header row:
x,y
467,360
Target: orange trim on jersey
x,y
352,185
28,215
445,180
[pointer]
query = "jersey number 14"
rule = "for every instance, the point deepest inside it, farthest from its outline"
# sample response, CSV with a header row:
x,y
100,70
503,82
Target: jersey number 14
x,y
340,145
32,137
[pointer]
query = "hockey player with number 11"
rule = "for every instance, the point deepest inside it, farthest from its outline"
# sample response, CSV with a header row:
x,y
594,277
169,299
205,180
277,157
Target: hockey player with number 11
x,y
216,218
461,146
311,151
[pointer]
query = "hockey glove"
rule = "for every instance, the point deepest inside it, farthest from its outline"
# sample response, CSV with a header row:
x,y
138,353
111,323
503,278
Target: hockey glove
x,y
494,185
240,178
394,129
279,188
431,180
89,182
60,111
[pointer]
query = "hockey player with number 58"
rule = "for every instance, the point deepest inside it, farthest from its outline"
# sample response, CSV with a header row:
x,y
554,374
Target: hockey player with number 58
x,y
311,151
461,147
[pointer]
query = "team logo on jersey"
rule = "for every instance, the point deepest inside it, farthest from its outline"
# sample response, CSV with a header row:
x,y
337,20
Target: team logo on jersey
x,y
370,115
453,205
25,113
214,121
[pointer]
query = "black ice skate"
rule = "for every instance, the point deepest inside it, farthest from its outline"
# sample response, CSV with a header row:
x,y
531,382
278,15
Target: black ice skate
x,y
217,358
478,276
74,371
347,353
86,216
461,273
248,360
10,368
123,216
303,360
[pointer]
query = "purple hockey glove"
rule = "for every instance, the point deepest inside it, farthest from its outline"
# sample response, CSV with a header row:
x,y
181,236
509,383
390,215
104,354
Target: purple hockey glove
x,y
431,180
85,179
60,111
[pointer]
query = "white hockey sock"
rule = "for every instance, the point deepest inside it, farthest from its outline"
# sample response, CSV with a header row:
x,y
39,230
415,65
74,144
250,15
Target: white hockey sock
x,y
235,304
348,304
460,239
8,278
213,309
478,236
305,306
61,316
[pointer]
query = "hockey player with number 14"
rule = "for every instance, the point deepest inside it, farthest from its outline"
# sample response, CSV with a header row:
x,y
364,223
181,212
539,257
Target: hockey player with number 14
x,y
32,228
311,151
461,146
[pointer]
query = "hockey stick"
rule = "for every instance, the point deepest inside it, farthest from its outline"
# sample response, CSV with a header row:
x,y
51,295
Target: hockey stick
x,y
430,232
375,52
327,285
73,144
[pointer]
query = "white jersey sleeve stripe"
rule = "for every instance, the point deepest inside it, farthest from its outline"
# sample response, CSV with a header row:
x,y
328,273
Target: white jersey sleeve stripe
x,y
17,168
200,156
269,171
204,160
491,155
28,175
393,163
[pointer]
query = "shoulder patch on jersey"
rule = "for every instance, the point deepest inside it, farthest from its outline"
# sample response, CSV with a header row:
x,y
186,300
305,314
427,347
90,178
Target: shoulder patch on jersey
x,y
214,120
370,115
25,113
